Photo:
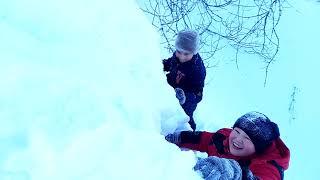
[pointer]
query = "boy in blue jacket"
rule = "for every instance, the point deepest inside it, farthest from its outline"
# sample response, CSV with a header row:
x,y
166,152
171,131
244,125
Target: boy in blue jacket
x,y
186,72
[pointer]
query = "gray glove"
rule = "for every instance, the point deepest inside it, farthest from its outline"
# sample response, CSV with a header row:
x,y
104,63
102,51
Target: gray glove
x,y
180,95
215,168
173,138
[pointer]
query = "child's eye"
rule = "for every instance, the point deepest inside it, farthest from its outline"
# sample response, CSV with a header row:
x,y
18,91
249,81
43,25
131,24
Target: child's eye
x,y
237,131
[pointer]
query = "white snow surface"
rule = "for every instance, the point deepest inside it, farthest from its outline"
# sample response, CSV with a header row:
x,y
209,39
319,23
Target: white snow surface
x,y
83,95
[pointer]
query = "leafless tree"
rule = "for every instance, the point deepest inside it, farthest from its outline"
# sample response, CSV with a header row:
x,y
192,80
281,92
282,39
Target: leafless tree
x,y
245,25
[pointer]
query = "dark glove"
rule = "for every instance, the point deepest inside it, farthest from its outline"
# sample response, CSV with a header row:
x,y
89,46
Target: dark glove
x,y
173,138
215,168
166,64
246,173
180,95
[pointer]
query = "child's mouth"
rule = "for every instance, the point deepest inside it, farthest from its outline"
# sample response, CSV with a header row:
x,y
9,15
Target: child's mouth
x,y
236,146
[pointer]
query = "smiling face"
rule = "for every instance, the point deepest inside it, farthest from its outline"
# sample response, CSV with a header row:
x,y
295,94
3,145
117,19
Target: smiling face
x,y
240,143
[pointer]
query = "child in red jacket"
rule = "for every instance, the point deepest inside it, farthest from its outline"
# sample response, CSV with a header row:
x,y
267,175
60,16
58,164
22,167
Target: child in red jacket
x,y
251,150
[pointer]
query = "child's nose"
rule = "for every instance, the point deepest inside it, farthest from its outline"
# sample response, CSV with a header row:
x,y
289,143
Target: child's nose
x,y
239,140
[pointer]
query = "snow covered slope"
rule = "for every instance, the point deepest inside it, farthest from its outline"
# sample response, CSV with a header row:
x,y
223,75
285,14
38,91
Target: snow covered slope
x,y
83,95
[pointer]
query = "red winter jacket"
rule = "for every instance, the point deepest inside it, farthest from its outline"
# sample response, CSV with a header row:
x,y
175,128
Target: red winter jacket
x,y
267,166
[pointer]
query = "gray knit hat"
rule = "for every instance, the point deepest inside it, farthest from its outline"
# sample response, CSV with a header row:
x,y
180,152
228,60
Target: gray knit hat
x,y
188,41
259,128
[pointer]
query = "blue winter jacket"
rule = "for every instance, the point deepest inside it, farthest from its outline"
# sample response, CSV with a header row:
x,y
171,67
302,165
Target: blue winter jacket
x,y
188,76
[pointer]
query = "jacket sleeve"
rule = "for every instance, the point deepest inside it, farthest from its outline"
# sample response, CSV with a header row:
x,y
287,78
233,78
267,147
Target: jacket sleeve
x,y
196,80
171,79
198,140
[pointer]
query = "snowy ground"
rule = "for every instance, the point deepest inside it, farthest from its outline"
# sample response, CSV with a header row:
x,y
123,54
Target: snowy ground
x,y
82,94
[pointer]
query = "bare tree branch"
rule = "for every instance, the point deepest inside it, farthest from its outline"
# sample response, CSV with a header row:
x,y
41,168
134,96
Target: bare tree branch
x,y
293,101
247,26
